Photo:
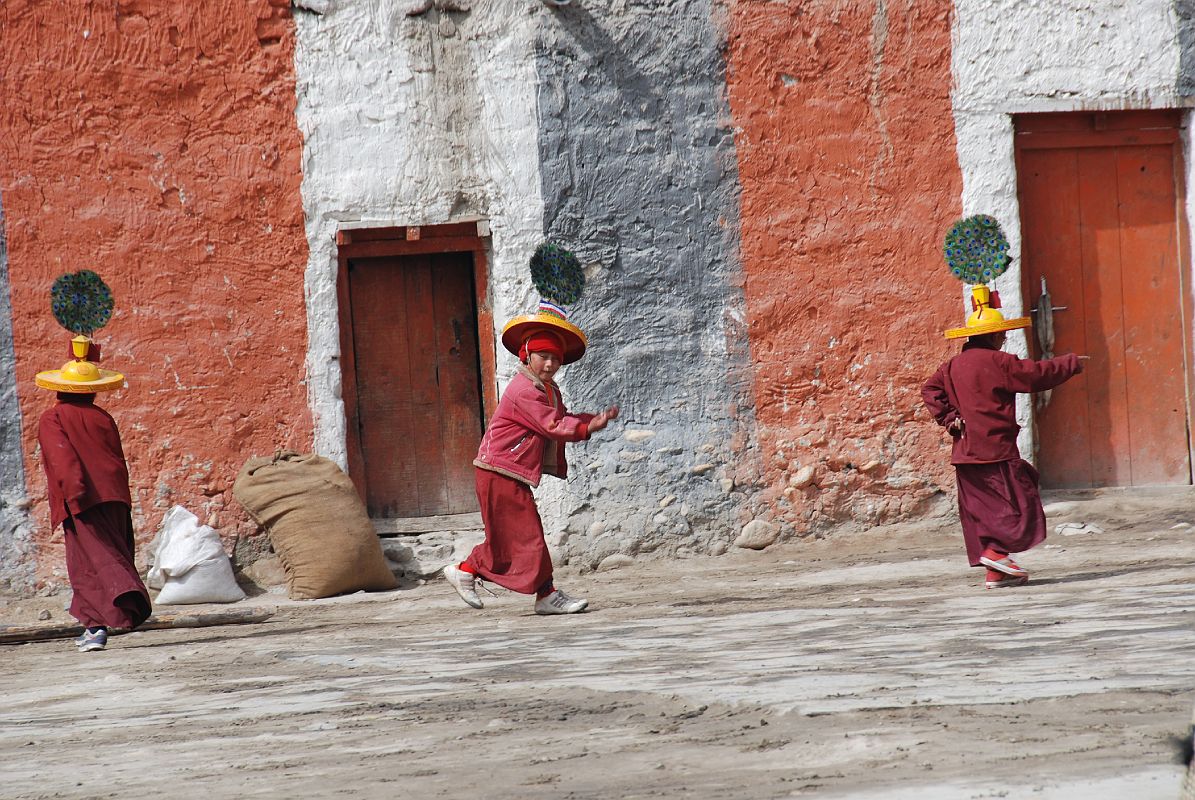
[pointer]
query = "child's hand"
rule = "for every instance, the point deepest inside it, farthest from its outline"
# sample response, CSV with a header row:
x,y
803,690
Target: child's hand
x,y
600,421
955,428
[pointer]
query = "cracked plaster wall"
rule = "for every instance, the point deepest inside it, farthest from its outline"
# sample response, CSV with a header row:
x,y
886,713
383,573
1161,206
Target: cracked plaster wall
x,y
412,121
639,176
846,155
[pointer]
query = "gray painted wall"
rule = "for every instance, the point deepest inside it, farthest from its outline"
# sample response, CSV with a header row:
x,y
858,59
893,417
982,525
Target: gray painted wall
x,y
1184,12
16,566
639,178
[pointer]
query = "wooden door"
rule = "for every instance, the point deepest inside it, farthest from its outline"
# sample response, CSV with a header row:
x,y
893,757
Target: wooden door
x,y
1101,204
414,335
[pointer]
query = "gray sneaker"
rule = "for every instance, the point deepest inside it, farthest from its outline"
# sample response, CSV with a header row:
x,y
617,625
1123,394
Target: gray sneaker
x,y
464,583
89,642
560,603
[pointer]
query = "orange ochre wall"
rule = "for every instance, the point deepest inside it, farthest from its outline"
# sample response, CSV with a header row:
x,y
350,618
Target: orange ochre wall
x,y
156,143
850,177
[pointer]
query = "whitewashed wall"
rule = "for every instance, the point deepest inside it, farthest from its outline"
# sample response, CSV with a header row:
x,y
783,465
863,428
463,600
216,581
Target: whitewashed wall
x,y
413,121
1020,56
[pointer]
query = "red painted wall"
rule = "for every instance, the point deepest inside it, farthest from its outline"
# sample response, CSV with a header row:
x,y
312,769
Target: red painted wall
x,y
850,177
156,144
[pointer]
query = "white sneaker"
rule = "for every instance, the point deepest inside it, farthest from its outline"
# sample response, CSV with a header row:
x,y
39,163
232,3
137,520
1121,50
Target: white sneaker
x,y
90,642
560,603
465,585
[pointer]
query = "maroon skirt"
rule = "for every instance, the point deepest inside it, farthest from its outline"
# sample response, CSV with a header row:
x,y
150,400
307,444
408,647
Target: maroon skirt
x,y
99,562
514,553
1000,507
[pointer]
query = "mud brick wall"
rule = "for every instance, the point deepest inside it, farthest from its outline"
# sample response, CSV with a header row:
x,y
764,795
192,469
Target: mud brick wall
x,y
156,144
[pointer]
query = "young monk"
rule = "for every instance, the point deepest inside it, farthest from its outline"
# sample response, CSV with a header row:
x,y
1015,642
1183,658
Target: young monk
x,y
973,396
524,440
87,484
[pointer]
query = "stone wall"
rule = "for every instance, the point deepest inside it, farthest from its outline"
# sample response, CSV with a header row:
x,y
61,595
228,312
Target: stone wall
x,y
758,191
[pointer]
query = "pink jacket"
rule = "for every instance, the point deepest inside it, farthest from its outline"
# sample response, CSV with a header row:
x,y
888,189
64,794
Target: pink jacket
x,y
526,436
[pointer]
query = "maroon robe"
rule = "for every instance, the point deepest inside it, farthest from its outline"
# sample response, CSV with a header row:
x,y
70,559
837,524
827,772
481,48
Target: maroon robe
x,y
999,503
88,489
514,553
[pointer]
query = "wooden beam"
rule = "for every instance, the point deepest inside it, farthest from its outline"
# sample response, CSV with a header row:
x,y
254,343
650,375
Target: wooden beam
x,y
442,522
403,247
17,634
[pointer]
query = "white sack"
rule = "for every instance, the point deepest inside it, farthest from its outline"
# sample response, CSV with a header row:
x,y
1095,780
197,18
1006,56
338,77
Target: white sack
x,y
189,563
208,581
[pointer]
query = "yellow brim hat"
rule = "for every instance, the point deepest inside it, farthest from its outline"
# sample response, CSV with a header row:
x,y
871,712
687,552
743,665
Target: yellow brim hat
x,y
519,329
995,326
79,377
986,319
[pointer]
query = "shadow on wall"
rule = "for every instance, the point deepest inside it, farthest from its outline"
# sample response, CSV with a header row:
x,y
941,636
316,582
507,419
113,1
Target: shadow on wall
x,y
606,54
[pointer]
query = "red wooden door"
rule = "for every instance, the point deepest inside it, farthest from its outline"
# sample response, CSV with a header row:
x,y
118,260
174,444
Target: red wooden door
x,y
1101,199
419,404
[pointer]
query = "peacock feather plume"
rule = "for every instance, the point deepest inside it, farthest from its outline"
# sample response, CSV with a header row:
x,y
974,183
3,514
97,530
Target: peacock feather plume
x,y
557,274
81,301
976,249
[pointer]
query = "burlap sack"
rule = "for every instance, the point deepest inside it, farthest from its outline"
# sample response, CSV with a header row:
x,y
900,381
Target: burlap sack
x,y
316,522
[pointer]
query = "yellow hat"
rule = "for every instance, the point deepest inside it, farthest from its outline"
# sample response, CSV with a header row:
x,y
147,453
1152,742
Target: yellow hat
x,y
516,332
986,319
80,376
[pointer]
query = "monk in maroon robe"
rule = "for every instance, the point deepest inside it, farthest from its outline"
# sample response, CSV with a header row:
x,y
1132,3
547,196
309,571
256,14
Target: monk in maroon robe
x,y
973,396
88,488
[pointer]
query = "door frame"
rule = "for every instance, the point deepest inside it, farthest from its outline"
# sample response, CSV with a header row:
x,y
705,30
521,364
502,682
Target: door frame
x,y
1074,129
408,240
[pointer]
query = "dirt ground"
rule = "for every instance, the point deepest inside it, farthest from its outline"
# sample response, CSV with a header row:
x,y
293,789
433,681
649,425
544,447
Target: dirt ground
x,y
864,665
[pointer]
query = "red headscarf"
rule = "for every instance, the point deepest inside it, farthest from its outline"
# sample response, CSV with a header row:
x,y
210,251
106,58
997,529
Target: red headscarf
x,y
542,341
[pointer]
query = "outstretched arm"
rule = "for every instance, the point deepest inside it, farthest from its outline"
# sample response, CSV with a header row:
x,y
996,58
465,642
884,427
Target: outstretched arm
x,y
1023,375
535,412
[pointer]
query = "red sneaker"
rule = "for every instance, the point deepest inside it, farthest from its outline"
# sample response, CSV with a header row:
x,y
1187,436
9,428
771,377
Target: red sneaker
x,y
998,580
1005,565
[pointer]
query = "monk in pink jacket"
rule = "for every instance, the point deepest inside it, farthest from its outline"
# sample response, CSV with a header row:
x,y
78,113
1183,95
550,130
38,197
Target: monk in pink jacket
x,y
524,440
973,396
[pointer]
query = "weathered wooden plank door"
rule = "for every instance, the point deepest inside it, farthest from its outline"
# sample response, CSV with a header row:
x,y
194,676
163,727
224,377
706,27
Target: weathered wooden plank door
x,y
419,408
1101,216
